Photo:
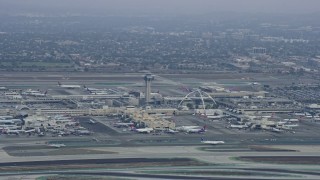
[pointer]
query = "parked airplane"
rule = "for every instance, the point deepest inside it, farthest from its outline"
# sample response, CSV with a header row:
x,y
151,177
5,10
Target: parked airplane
x,y
197,130
238,126
68,86
186,128
10,121
35,93
84,132
41,134
6,117
211,142
90,89
290,125
142,130
255,83
276,130
91,121
170,131
96,91
39,94
16,132
30,131
286,128
100,93
122,124
10,127
214,117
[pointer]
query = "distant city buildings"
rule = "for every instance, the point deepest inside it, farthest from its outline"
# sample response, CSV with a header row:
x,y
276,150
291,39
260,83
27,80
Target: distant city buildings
x,y
259,50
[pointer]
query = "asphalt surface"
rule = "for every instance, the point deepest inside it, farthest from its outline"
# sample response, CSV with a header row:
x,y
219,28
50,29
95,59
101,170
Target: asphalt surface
x,y
95,161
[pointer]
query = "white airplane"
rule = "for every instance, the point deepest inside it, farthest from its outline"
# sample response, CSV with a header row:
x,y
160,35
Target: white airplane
x,y
35,93
143,130
63,120
91,89
100,93
286,128
68,86
16,132
10,119
41,134
92,121
57,145
171,131
281,123
122,124
255,83
238,126
6,117
211,142
276,130
214,117
84,132
30,131
197,130
10,127
186,128
39,94
290,125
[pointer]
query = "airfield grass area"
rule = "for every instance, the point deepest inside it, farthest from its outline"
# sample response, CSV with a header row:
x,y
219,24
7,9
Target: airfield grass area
x,y
72,177
215,172
37,64
297,160
50,151
99,163
244,148
270,149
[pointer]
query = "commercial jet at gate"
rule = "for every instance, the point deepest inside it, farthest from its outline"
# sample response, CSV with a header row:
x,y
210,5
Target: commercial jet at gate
x,y
197,130
142,130
191,129
186,128
123,124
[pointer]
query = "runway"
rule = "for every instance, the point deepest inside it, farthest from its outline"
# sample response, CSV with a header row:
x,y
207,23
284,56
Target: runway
x,y
131,160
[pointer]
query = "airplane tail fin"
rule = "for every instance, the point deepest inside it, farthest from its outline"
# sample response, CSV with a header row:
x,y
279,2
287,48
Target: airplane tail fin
x,y
132,128
59,84
202,129
202,139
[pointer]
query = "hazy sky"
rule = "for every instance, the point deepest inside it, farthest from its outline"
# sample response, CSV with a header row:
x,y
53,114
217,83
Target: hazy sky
x,y
163,6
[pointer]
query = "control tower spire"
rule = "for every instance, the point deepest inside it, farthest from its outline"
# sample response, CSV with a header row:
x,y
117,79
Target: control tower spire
x,y
148,78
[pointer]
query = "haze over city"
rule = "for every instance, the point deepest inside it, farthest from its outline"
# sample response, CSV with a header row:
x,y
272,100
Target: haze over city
x,y
162,7
159,89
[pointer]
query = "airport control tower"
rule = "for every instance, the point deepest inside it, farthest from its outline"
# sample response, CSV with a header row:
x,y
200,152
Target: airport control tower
x,y
148,78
